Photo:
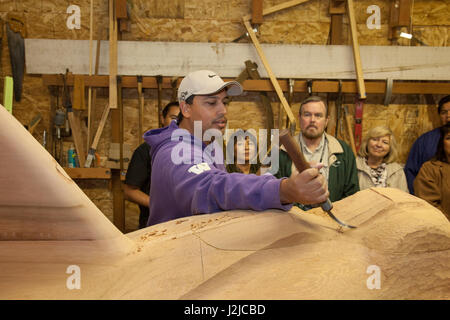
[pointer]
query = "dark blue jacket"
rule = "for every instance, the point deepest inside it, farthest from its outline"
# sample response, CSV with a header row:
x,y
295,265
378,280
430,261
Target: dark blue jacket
x,y
423,149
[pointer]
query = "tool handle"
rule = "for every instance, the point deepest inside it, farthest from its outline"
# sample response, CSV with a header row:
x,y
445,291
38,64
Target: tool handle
x,y
297,157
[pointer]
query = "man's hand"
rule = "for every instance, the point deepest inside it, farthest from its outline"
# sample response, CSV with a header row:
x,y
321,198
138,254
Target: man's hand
x,y
307,187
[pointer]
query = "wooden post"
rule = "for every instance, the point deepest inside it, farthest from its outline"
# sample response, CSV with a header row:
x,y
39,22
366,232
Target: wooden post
x,y
400,16
337,11
112,56
257,11
91,24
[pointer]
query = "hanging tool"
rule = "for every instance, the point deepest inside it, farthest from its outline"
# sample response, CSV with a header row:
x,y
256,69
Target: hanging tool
x,y
59,121
8,92
290,99
349,130
309,85
16,32
33,123
174,85
1,43
141,109
388,92
358,122
301,164
339,108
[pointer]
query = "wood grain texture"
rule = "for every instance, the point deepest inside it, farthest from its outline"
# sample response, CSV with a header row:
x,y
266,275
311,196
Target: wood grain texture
x,y
48,224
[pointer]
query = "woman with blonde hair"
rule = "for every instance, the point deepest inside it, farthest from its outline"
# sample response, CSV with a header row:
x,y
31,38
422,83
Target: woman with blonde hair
x,y
376,161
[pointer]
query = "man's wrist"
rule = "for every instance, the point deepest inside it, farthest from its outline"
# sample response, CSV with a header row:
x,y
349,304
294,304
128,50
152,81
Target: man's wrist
x,y
284,194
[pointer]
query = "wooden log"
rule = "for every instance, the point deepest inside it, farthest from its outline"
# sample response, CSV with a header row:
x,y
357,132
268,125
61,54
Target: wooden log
x,y
48,223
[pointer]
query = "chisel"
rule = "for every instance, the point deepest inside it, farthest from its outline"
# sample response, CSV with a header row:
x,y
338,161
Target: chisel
x,y
297,157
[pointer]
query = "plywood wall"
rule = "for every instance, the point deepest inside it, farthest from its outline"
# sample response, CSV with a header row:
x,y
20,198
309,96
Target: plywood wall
x,y
219,21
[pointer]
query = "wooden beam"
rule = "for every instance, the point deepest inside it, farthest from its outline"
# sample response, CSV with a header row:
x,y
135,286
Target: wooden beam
x,y
277,8
320,86
50,56
273,79
356,53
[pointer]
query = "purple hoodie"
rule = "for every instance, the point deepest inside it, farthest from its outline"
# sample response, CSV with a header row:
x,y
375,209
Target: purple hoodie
x,y
199,184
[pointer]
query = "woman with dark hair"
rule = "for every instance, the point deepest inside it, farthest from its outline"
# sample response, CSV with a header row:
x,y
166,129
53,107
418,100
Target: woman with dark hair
x,y
433,181
242,150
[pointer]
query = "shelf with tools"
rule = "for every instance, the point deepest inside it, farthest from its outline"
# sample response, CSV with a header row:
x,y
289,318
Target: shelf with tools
x,y
301,85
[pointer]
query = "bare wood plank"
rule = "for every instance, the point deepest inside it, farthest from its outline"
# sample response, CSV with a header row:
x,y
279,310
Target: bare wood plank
x,y
356,53
273,79
91,27
46,56
112,56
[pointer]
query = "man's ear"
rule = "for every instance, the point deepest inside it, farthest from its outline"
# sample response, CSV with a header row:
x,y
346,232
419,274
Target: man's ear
x,y
185,109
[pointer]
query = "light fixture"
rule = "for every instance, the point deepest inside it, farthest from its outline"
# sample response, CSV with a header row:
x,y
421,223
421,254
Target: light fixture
x,y
406,35
410,36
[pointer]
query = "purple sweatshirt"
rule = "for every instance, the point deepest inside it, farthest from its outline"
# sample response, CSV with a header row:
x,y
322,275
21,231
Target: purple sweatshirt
x,y
200,184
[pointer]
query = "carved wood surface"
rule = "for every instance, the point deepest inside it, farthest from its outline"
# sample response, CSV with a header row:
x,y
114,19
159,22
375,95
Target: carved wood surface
x,y
47,224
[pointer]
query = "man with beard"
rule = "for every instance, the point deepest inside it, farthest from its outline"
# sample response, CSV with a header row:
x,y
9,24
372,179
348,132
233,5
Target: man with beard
x,y
188,172
338,160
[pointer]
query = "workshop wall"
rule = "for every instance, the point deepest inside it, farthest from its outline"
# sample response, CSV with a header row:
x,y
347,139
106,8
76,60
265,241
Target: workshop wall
x,y
218,21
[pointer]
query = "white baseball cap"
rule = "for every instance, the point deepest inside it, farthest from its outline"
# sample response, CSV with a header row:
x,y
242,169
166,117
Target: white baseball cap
x,y
205,82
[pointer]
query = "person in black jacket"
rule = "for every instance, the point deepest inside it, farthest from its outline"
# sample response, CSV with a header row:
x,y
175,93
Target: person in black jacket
x,y
137,181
